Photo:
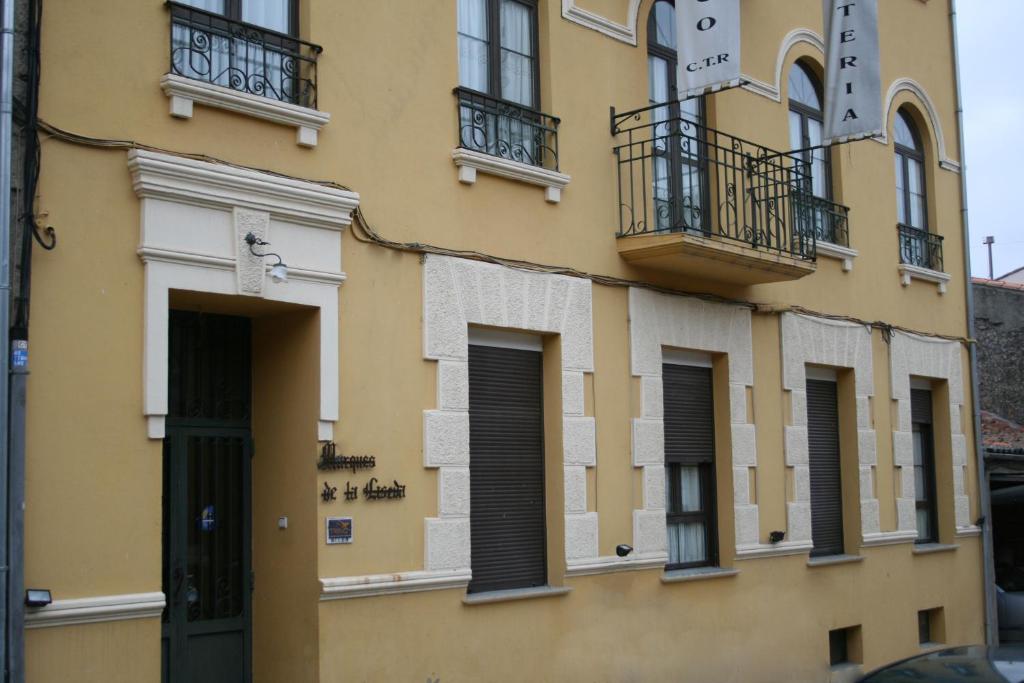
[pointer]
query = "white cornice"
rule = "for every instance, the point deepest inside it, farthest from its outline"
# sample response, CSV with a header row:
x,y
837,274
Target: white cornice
x,y
204,183
909,272
888,538
341,587
93,610
148,254
469,162
609,564
750,552
185,91
773,91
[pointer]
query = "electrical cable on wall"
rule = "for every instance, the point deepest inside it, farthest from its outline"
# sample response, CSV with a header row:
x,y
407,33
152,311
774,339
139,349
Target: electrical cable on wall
x,y
371,236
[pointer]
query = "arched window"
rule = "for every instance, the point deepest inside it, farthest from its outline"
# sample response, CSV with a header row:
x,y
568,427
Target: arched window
x,y
805,128
911,207
679,179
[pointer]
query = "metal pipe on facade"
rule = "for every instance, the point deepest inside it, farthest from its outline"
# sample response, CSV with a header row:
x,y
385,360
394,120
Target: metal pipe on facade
x,y
991,623
6,141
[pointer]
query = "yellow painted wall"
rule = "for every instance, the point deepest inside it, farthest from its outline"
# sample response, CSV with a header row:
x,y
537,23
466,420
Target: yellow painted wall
x,y
387,85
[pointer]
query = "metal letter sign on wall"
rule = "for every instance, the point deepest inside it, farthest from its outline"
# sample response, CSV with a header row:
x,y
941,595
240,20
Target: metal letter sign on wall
x,y
853,76
709,45
330,460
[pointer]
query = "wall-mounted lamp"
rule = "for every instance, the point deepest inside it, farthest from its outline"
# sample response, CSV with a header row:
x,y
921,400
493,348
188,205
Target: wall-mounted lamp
x,y
776,536
622,549
279,271
38,597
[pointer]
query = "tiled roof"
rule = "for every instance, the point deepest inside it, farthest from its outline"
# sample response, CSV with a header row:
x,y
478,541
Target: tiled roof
x,y
997,283
998,432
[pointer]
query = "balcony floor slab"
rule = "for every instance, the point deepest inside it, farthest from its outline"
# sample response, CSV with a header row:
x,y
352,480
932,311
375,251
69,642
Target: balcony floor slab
x,y
710,258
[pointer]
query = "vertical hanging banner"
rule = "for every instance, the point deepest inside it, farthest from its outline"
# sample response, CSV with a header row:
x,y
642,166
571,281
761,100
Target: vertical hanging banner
x,y
708,34
853,72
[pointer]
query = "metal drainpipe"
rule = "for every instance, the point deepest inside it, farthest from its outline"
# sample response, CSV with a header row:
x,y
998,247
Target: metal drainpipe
x,y
991,623
6,115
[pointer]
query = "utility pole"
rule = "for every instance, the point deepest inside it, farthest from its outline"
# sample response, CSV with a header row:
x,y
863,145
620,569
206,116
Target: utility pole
x,y
989,241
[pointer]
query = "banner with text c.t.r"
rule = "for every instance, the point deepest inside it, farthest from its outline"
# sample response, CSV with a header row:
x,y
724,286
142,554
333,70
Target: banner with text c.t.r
x,y
708,33
853,77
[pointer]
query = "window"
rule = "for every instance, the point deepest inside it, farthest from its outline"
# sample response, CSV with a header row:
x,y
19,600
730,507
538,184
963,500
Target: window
x,y
689,466
499,83
498,49
910,197
679,174
844,646
210,42
805,128
924,466
506,469
826,480
930,626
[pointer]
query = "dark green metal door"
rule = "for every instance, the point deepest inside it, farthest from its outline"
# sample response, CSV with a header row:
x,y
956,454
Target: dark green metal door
x,y
207,502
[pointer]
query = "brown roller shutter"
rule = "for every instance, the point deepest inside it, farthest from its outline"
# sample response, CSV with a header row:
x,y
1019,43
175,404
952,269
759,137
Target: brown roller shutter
x,y
826,482
506,469
921,406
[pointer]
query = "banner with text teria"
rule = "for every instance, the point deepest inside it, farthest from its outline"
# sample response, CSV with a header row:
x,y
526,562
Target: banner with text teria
x,y
853,76
708,33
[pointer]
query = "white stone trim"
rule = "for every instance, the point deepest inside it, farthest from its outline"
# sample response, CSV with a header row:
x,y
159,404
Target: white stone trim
x,y
614,563
889,538
206,183
342,587
773,91
458,293
193,216
911,354
837,344
95,610
657,321
781,549
183,92
930,110
469,162
837,251
595,22
909,272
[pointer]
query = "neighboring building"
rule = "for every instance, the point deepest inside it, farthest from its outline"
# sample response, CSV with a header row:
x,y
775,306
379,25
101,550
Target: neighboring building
x,y
999,327
1015,276
538,399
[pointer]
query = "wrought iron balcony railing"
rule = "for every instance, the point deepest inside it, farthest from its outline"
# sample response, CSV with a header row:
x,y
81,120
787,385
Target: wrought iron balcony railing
x,y
827,220
507,130
920,248
210,47
675,174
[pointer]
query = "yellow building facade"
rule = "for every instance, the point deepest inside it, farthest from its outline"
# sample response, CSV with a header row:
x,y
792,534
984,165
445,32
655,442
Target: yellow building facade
x,y
424,228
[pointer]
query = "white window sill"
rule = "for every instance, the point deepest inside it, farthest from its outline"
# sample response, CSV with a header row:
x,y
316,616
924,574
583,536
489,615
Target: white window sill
x,y
836,251
469,162
828,560
930,548
184,92
909,272
514,594
697,574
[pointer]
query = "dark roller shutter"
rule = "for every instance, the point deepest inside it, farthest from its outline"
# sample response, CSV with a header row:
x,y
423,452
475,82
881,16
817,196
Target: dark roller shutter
x,y
506,469
689,414
826,482
921,406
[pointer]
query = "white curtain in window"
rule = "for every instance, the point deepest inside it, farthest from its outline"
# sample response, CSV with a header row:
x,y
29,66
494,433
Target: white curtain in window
x,y
686,543
272,14
208,5
517,52
473,39
901,207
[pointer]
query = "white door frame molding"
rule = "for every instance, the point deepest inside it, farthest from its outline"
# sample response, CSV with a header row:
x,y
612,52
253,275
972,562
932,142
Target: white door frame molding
x,y
194,217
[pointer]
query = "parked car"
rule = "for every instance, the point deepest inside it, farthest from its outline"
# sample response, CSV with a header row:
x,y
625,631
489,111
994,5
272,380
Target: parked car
x,y
1011,615
970,664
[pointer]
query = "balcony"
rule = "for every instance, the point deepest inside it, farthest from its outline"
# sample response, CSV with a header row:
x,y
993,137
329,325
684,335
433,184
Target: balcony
x,y
921,257
507,139
209,47
697,201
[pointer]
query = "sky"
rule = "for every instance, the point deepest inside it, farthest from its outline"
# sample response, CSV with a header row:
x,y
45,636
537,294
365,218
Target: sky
x,y
993,101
